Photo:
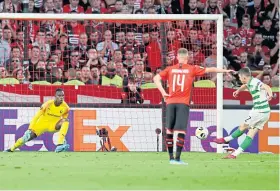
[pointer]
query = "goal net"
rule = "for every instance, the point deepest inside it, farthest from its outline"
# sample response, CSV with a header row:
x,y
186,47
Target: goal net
x,y
101,61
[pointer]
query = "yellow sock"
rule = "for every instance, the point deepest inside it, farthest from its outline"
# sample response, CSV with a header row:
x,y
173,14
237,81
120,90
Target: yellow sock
x,y
62,132
18,144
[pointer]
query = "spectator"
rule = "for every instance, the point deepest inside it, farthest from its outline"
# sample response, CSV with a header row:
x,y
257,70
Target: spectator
x,y
15,64
192,8
18,74
4,77
49,6
7,33
274,52
86,75
111,78
258,53
93,59
58,4
266,79
246,32
107,47
229,81
83,46
5,50
213,7
235,13
268,32
103,70
272,11
149,84
74,61
129,62
73,6
95,73
197,53
40,41
228,29
7,6
267,69
275,84
237,49
120,37
56,76
35,57
72,78
132,93
124,73
73,30
40,77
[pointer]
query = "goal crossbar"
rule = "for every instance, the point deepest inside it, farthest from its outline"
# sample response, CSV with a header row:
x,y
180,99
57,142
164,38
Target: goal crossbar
x,y
159,17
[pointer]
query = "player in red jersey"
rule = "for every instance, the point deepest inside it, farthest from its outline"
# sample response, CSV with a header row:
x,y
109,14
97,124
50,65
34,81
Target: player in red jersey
x,y
180,78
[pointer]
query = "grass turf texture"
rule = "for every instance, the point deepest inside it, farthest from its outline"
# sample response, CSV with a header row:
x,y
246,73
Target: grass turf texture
x,y
136,170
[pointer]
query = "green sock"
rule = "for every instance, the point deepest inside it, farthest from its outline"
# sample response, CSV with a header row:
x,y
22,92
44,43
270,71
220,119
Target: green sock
x,y
246,143
237,133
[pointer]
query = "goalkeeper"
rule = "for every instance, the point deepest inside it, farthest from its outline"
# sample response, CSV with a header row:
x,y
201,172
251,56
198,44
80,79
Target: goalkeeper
x,y
52,117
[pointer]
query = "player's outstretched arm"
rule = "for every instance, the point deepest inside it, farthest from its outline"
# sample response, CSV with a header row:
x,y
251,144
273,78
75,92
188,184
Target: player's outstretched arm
x,y
157,81
242,88
268,90
217,70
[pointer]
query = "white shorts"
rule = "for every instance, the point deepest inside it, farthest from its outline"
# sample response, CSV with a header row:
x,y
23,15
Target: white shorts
x,y
257,119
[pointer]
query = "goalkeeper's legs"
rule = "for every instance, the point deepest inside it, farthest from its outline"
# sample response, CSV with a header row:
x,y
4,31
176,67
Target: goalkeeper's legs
x,y
28,136
62,127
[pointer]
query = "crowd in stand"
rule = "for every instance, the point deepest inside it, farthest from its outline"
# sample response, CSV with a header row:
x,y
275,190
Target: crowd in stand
x,y
119,54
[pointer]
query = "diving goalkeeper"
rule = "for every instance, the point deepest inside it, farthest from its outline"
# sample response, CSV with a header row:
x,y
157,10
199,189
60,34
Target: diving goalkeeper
x,y
52,117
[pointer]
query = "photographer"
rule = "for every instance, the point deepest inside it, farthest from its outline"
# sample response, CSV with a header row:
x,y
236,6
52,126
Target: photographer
x,y
132,93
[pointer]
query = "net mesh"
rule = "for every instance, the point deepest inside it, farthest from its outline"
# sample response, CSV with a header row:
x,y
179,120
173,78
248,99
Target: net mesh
x,y
98,64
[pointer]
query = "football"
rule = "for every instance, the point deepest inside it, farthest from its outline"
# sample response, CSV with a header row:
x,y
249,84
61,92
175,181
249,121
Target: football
x,y
201,133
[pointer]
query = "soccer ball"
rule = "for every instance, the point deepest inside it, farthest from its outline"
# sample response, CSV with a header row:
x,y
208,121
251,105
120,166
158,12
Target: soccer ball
x,y
201,133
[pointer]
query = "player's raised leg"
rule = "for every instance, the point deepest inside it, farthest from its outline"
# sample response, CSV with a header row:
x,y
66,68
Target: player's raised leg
x,y
255,123
237,133
28,136
62,126
245,144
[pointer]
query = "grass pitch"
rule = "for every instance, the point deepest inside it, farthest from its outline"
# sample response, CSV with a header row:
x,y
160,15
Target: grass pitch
x,y
136,171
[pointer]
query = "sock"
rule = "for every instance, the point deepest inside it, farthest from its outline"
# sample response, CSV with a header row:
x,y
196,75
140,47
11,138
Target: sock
x,y
245,144
18,144
62,132
179,145
235,134
169,143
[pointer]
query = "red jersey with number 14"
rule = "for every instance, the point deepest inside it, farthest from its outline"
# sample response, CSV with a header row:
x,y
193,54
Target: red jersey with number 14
x,y
180,82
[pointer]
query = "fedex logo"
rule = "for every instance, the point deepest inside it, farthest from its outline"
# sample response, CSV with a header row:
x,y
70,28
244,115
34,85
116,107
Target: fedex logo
x,y
83,130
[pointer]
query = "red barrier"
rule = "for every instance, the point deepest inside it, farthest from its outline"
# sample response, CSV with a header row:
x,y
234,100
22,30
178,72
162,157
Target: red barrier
x,y
86,94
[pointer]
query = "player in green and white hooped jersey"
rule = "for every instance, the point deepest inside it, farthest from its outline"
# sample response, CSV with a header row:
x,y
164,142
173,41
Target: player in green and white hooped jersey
x,y
258,116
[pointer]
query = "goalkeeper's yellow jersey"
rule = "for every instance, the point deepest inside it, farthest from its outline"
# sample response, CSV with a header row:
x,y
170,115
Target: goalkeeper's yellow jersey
x,y
50,113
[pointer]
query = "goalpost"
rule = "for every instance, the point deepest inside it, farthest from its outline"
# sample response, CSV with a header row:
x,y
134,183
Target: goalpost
x,y
135,18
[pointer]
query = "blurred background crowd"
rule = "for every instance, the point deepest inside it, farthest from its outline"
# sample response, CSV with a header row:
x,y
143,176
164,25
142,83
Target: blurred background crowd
x,y
129,54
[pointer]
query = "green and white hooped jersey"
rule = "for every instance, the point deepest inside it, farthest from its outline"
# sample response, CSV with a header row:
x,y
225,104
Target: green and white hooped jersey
x,y
259,96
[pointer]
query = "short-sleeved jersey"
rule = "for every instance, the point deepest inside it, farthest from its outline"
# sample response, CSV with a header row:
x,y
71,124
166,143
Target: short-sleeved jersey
x,y
180,81
259,96
53,113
